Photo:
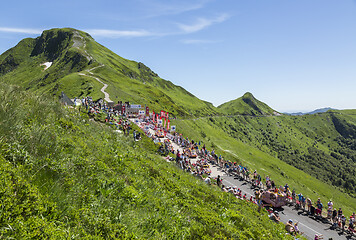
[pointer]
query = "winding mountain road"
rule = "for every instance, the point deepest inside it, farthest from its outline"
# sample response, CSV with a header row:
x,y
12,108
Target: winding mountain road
x,y
307,225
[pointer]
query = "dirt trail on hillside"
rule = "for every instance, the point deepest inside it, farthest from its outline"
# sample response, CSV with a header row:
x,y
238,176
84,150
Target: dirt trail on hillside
x,y
106,95
80,43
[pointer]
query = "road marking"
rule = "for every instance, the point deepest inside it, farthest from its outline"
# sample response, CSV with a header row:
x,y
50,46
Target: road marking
x,y
235,186
309,228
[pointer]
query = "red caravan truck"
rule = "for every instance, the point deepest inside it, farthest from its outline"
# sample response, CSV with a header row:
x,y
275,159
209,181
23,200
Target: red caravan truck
x,y
275,199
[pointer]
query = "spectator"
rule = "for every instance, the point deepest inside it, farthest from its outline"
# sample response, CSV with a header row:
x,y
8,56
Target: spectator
x,y
343,222
319,206
218,181
274,216
303,202
318,236
134,135
207,180
294,196
296,228
290,228
330,204
258,197
351,222
339,214
334,218
309,204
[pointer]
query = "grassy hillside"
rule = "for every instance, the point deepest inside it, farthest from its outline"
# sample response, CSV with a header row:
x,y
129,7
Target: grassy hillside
x,y
246,105
322,145
72,52
66,177
214,132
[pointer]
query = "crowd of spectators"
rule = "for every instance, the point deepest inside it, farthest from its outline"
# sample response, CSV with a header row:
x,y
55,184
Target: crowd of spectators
x,y
200,167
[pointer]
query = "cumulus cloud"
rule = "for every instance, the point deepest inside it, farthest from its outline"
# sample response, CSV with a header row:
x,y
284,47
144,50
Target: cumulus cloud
x,y
21,30
202,23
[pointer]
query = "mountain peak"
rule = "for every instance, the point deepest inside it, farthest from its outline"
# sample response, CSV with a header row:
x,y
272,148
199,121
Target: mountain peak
x,y
52,43
247,105
70,31
248,95
70,60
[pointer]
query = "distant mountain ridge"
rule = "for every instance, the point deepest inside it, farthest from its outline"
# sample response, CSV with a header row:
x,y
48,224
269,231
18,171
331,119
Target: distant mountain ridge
x,y
319,110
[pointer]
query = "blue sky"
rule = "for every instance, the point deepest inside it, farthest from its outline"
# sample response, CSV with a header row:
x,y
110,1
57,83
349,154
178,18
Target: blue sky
x,y
293,55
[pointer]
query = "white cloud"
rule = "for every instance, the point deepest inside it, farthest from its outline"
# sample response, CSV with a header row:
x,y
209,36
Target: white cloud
x,y
157,8
198,41
21,30
95,32
119,33
202,23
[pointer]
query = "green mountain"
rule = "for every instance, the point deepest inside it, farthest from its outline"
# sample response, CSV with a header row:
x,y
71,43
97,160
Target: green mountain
x,y
321,145
77,60
246,105
75,63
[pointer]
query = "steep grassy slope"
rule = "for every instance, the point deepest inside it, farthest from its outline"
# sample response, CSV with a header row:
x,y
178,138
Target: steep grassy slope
x,y
214,132
65,177
322,145
246,105
138,83
73,52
